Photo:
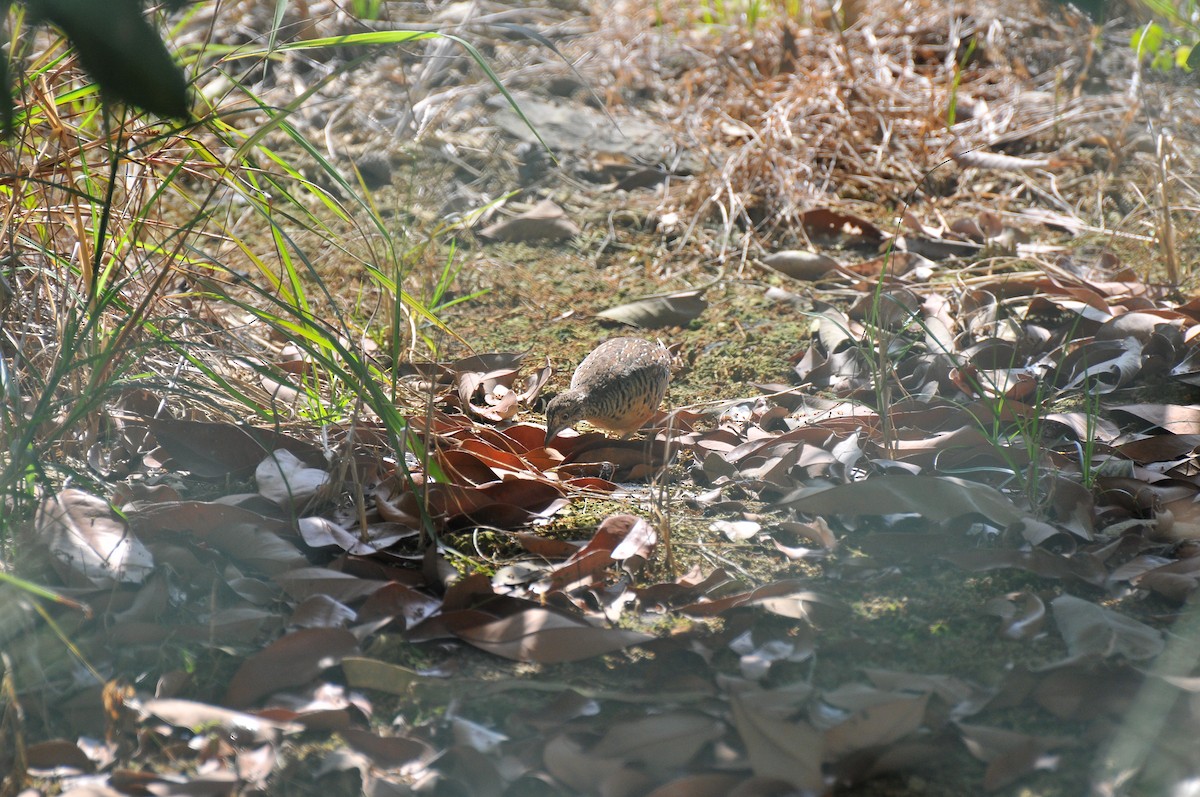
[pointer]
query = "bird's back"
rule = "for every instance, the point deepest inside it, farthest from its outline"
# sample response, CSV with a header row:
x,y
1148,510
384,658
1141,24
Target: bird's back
x,y
623,381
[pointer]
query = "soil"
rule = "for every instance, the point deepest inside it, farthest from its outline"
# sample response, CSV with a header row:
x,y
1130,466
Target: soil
x,y
917,613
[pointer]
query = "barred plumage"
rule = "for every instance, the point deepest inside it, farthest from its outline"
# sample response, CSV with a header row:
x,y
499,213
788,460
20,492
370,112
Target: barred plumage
x,y
617,387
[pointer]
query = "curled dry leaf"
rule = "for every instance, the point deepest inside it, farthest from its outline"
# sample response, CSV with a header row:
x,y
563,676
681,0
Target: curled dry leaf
x,y
287,481
493,393
91,546
290,661
737,530
668,310
1100,366
594,455
196,717
547,637
1008,754
321,611
500,504
220,450
835,226
319,532
789,751
876,718
545,221
934,497
787,597
892,308
755,660
387,752
799,264
1172,418
659,742
1089,629
620,538
1022,614
638,542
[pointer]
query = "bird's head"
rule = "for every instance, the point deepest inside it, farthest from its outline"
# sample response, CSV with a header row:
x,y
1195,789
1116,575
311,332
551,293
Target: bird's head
x,y
563,411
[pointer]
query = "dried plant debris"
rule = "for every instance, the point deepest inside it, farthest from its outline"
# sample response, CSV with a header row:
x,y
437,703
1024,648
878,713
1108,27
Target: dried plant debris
x,y
978,411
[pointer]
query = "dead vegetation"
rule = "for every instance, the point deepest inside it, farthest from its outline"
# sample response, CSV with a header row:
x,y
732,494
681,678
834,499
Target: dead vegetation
x,y
932,529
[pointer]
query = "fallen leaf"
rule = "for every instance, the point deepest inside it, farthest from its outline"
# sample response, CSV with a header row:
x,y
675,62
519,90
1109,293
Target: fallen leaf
x,y
936,498
197,717
1022,614
789,751
547,637
659,742
222,450
387,752
668,310
287,481
545,221
292,660
1089,629
1008,754
91,546
800,264
877,717
835,226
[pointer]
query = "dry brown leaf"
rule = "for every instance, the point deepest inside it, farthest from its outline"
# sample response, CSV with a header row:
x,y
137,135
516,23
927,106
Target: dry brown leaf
x,y
787,597
287,481
835,226
1172,418
800,264
320,532
934,497
387,752
1008,754
398,602
221,450
660,743
91,546
1039,561
500,504
200,716
383,676
302,583
1091,630
545,221
1084,691
788,751
877,718
568,760
1022,614
321,611
669,310
547,637
290,661
57,754
699,786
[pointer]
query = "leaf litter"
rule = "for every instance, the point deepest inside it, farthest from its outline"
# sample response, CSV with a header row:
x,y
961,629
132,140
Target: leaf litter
x,y
914,433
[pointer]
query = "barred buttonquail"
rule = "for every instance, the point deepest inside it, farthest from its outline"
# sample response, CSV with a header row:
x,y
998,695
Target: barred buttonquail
x,y
617,387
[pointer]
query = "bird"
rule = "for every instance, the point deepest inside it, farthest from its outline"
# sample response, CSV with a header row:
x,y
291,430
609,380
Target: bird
x,y
617,387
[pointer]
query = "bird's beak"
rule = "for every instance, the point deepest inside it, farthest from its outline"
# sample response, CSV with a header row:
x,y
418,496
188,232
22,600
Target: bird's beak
x,y
551,433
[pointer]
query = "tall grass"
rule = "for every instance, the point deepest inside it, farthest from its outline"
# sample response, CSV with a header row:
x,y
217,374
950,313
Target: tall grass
x,y
126,257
